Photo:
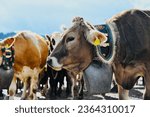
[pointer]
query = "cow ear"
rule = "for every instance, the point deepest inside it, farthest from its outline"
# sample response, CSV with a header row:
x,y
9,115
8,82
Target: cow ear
x,y
9,42
96,38
48,37
48,42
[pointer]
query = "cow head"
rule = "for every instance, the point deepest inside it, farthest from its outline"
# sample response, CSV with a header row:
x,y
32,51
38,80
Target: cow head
x,y
54,39
75,51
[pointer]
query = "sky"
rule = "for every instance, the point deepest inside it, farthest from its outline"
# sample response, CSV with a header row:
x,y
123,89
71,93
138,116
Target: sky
x,y
47,16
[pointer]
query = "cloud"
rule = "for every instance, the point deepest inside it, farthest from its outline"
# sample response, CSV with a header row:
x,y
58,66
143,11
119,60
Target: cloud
x,y
46,16
140,4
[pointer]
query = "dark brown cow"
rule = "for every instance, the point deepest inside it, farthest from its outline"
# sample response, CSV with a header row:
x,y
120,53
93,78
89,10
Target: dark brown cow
x,y
131,48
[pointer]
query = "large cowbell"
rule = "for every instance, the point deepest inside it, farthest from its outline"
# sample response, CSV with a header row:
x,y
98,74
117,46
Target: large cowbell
x,y
98,77
5,78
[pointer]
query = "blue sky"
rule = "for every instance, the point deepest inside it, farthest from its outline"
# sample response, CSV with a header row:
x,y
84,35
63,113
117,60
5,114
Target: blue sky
x,y
47,16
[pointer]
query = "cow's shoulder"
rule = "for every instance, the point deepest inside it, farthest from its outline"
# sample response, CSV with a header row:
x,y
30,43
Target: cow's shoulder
x,y
140,13
128,14
26,35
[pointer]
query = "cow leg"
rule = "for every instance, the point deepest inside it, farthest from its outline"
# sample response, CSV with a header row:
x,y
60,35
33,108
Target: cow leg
x,y
81,84
44,90
123,93
55,86
51,90
73,84
72,88
12,88
1,92
25,87
69,84
147,94
52,85
33,88
19,85
147,86
61,82
115,87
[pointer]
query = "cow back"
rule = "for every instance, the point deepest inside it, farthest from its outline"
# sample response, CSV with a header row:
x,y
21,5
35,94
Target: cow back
x,y
30,50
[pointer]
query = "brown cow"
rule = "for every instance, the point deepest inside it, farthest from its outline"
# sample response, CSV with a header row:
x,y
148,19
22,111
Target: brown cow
x,y
72,78
130,48
31,52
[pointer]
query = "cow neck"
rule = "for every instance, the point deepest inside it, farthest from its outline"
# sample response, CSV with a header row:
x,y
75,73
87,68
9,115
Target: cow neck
x,y
106,54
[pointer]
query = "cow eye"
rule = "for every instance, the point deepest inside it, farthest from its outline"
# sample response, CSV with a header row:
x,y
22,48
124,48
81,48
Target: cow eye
x,y
69,39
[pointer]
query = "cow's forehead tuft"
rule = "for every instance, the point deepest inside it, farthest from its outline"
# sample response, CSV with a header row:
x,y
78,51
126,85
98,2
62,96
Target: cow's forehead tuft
x,y
77,20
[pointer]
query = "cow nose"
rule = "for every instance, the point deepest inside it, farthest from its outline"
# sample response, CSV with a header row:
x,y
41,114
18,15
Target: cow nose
x,y
49,61
53,62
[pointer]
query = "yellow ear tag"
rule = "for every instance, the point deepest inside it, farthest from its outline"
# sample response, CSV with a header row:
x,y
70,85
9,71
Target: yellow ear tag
x,y
97,42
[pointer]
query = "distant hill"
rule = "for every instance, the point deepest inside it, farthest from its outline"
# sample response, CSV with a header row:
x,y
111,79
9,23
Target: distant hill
x,y
10,34
5,35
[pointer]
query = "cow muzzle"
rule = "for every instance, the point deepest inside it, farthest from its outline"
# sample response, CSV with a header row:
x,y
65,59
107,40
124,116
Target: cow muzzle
x,y
53,63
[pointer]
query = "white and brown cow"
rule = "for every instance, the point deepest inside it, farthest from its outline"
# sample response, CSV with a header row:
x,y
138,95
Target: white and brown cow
x,y
31,52
130,51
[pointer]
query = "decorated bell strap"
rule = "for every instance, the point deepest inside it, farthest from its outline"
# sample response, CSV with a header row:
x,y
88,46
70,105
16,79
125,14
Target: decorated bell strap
x,y
8,53
8,57
13,55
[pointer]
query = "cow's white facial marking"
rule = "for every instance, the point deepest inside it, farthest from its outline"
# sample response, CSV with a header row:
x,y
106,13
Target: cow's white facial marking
x,y
52,61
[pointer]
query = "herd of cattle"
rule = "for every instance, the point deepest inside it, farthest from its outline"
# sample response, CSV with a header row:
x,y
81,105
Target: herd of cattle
x,y
85,55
